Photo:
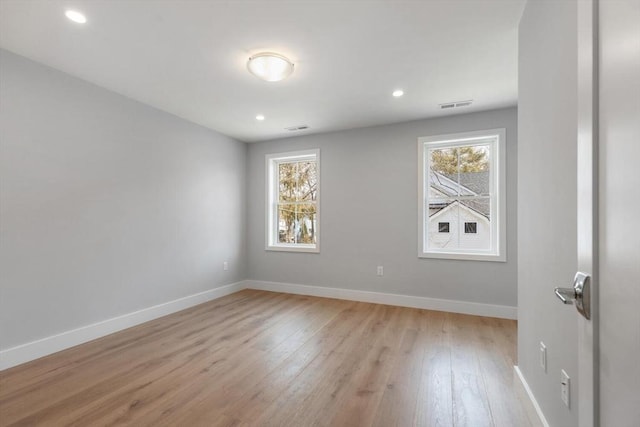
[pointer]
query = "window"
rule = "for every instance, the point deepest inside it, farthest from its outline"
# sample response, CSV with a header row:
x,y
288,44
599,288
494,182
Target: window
x,y
470,227
462,196
443,227
293,181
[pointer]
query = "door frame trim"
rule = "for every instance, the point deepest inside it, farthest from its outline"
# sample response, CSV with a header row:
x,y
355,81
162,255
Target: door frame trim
x,y
587,209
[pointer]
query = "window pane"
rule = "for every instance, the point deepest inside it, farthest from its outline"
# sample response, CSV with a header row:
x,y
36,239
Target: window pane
x,y
306,181
480,205
462,218
306,225
442,186
459,171
286,223
438,240
444,160
460,189
474,178
287,182
293,218
436,205
443,172
475,224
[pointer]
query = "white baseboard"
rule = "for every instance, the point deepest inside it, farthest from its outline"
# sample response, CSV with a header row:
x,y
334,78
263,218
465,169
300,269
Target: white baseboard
x,y
464,307
532,398
52,344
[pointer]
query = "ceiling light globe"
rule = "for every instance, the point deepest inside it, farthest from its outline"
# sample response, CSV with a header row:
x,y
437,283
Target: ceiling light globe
x,y
75,16
270,67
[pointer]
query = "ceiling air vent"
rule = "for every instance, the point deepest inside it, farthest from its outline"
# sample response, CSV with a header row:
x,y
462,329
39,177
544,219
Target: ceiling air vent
x,y
297,128
456,104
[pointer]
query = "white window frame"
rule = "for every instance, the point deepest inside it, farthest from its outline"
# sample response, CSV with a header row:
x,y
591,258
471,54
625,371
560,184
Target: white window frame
x,y
272,188
497,164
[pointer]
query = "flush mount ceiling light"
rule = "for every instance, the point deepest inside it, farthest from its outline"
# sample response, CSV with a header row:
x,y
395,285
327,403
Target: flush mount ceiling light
x,y
76,16
398,93
269,66
260,117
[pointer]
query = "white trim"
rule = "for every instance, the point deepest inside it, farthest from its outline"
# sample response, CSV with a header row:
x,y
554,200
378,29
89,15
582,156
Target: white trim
x,y
52,344
283,247
461,256
453,306
534,402
496,138
270,214
587,393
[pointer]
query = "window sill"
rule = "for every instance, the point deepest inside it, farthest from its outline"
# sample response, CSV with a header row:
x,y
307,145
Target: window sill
x,y
291,248
463,256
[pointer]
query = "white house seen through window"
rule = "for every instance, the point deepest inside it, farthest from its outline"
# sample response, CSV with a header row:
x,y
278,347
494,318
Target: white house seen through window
x,y
293,201
462,185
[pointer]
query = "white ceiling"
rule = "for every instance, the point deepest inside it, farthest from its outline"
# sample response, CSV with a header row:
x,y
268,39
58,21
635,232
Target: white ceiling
x,y
188,57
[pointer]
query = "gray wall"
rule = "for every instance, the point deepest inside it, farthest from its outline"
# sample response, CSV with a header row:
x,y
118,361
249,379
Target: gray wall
x,y
107,205
369,215
547,150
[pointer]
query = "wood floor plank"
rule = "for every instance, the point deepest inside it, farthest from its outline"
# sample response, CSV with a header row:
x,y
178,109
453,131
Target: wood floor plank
x,y
73,393
259,358
90,349
36,375
401,391
434,407
325,375
497,373
203,363
355,399
470,401
255,401
232,379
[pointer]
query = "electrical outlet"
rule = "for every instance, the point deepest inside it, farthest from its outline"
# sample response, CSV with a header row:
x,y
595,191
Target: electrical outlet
x,y
565,383
543,357
225,265
380,271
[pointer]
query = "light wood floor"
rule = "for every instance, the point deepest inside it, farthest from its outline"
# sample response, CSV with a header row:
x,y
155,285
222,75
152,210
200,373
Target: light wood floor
x,y
262,358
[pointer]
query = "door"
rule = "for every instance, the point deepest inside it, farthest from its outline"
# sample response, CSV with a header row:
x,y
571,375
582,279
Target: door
x,y
619,212
608,242
597,232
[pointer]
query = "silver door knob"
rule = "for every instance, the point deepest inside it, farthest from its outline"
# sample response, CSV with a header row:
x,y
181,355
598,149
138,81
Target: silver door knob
x,y
580,293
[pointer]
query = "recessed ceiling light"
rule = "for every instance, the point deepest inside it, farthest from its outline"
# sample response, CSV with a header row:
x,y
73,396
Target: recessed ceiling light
x,y
76,16
260,117
269,66
398,93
